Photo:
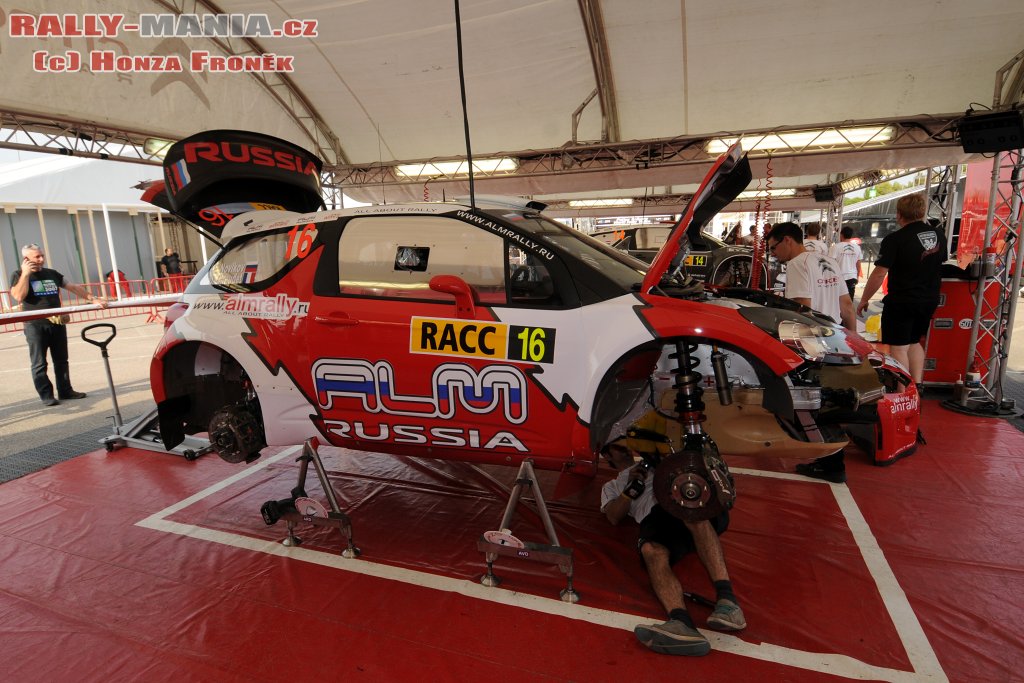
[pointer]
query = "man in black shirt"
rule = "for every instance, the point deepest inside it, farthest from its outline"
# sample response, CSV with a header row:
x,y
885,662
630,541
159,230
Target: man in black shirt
x,y
171,262
38,288
912,257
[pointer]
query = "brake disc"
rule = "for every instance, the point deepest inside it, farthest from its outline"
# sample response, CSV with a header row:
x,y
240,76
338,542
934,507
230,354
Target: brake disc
x,y
236,434
686,489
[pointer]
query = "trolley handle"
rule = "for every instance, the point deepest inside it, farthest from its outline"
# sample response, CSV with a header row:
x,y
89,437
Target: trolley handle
x,y
102,343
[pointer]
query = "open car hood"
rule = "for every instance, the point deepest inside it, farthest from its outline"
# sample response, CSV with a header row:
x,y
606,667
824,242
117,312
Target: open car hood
x,y
211,177
729,176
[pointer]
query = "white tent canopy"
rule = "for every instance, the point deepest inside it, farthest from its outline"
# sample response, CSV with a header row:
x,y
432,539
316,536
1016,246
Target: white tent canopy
x,y
69,182
379,85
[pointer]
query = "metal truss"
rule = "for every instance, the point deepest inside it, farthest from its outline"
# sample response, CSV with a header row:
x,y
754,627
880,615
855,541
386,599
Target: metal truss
x,y
72,137
331,194
44,133
996,296
941,188
915,133
995,304
862,181
832,220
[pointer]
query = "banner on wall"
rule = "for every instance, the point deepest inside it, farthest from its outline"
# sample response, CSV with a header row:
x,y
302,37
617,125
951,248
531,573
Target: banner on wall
x,y
975,212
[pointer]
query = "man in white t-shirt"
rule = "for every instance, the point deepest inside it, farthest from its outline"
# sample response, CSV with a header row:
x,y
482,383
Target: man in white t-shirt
x,y
663,541
812,279
847,254
812,241
751,236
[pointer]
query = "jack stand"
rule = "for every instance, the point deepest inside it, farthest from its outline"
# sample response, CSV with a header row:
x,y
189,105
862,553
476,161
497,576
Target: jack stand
x,y
502,542
299,508
291,540
143,432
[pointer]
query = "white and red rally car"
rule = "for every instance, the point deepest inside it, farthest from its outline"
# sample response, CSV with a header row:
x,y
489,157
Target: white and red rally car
x,y
487,333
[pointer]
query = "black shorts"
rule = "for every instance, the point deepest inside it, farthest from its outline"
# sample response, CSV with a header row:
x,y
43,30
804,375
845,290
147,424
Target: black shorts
x,y
662,528
905,323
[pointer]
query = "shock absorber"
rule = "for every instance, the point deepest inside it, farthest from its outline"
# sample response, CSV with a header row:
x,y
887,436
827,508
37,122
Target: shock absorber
x,y
719,367
689,404
692,483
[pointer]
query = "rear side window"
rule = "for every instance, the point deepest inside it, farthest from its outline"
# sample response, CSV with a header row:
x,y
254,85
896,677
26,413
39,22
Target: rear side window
x,y
396,256
256,262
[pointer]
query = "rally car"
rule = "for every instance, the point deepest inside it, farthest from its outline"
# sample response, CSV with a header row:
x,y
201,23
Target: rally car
x,y
709,260
484,333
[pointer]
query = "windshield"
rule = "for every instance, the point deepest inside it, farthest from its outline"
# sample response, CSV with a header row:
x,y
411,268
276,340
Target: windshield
x,y
616,265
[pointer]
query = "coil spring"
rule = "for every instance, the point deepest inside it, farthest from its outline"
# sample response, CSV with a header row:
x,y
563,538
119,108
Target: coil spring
x,y
683,350
687,383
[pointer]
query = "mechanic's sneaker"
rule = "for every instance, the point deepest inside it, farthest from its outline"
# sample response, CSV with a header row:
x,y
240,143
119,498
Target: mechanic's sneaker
x,y
673,638
727,617
816,470
51,401
73,394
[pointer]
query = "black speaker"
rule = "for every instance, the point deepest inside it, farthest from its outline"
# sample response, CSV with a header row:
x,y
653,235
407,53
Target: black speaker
x,y
995,132
824,193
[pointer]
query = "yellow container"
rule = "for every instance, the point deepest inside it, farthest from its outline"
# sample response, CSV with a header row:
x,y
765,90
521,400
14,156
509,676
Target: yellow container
x,y
873,326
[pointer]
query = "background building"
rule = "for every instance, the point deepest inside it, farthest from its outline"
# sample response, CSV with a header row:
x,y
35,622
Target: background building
x,y
88,217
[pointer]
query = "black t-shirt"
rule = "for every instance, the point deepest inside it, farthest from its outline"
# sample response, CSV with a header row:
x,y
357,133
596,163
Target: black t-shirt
x,y
914,255
43,289
172,263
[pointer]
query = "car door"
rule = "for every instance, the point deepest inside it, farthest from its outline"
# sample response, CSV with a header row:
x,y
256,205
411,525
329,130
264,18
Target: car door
x,y
400,366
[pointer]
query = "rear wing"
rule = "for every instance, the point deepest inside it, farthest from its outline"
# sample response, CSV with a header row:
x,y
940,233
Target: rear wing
x,y
211,177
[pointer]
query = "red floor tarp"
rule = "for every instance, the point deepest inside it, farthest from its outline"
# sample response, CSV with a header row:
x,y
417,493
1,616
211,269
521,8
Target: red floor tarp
x,y
132,565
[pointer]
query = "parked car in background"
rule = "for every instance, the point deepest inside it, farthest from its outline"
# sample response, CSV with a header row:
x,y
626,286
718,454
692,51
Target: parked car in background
x,y
710,259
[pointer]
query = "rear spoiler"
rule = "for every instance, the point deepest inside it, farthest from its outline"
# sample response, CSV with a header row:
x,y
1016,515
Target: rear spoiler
x,y
211,177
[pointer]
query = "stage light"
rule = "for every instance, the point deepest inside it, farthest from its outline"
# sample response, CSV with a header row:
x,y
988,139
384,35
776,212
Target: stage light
x,y
1000,131
441,169
156,147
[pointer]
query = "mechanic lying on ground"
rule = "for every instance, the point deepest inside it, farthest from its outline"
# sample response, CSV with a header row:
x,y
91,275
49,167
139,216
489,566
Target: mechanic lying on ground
x,y
664,540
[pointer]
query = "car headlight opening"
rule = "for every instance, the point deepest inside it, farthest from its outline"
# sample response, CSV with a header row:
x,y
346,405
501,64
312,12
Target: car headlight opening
x,y
806,340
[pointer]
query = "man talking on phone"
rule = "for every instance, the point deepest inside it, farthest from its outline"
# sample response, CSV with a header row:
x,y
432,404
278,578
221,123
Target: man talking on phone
x,y
38,288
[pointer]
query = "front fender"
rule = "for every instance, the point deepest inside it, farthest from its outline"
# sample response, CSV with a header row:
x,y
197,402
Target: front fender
x,y
668,318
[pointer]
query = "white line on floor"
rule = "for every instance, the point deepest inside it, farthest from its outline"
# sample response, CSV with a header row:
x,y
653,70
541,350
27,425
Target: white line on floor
x,y
922,657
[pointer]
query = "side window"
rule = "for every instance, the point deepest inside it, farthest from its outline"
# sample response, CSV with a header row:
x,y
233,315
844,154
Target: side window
x,y
249,265
396,256
529,281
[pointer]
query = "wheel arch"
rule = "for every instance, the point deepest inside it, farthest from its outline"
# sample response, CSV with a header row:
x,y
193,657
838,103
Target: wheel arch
x,y
623,385
195,379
